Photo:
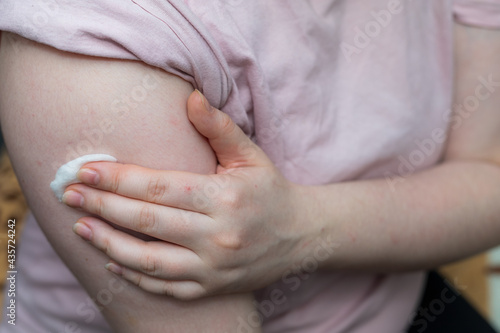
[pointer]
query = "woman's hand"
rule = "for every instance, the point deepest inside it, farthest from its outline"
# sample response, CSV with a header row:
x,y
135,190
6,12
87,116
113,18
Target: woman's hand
x,y
237,230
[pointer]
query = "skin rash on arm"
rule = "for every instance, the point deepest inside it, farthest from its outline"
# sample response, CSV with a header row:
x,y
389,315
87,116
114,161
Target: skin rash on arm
x,y
56,106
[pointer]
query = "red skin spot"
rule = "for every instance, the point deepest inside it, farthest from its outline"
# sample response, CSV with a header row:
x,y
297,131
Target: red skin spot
x,y
353,237
187,188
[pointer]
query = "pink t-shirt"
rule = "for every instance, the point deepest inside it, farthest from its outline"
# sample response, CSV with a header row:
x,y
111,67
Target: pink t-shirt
x,y
332,90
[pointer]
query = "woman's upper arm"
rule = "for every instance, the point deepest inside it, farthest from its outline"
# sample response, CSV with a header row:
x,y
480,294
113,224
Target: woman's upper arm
x,y
56,106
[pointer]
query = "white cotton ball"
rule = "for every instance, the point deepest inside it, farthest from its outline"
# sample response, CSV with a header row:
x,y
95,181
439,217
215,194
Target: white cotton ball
x,y
66,175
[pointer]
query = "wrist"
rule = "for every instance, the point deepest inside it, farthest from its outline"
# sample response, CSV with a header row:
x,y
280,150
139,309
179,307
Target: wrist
x,y
321,225
310,224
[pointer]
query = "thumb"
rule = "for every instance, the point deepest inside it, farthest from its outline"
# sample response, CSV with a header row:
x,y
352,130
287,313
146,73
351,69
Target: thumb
x,y
232,147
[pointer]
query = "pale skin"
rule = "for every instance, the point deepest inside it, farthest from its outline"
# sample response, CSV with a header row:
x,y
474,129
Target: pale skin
x,y
53,103
259,225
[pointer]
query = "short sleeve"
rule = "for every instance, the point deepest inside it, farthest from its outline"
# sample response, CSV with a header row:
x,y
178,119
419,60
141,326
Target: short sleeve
x,y
479,13
164,34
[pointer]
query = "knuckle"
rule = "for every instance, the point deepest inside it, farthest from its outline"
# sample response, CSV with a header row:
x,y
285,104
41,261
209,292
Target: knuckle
x,y
139,281
226,124
105,246
167,289
157,187
99,208
114,181
150,264
231,199
147,221
230,241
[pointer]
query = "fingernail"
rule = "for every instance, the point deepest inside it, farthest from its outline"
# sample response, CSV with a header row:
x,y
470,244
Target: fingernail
x,y
88,176
72,199
82,230
205,102
114,268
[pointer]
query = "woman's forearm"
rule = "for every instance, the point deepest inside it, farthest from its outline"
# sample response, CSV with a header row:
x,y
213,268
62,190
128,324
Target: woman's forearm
x,y
430,218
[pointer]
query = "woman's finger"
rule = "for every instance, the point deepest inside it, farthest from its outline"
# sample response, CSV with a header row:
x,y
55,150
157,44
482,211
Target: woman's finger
x,y
183,290
154,258
166,223
179,189
231,145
